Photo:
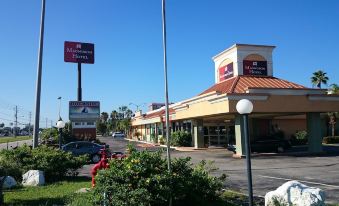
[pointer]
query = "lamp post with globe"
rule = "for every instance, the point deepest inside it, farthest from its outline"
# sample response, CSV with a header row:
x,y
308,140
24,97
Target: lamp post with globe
x,y
245,107
60,124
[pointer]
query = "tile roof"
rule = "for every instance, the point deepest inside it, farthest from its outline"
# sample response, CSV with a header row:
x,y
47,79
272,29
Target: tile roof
x,y
240,84
158,113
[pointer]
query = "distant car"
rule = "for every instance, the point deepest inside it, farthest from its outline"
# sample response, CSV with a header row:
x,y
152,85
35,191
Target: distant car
x,y
83,147
266,144
118,134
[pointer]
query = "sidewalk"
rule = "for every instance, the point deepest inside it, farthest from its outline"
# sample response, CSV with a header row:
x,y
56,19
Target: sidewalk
x,y
182,149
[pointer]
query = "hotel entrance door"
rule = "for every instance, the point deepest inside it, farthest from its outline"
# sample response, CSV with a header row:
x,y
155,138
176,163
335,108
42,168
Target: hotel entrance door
x,y
215,136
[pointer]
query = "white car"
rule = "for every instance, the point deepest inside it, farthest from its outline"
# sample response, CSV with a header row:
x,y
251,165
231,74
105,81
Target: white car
x,y
118,135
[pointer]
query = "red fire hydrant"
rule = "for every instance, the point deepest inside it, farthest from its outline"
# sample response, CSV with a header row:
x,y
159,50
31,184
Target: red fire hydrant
x,y
102,164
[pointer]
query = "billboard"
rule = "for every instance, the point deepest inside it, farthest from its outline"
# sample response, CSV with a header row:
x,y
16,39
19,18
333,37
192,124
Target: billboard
x,y
255,68
226,72
78,52
84,110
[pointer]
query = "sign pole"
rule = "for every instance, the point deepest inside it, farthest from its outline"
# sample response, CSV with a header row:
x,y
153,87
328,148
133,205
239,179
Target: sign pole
x,y
38,81
79,83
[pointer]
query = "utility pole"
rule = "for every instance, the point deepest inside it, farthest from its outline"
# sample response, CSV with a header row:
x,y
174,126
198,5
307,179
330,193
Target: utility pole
x,y
16,120
46,123
29,124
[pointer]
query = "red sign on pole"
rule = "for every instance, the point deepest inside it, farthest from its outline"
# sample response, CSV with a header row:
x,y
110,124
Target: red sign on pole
x,y
78,52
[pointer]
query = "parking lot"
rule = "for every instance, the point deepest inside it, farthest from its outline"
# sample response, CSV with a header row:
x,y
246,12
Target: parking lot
x,y
269,171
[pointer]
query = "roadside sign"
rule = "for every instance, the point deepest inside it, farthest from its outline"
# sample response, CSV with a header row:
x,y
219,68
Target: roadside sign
x,y
78,52
84,110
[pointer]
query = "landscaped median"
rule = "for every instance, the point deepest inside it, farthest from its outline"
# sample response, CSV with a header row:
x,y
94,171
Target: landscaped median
x,y
13,139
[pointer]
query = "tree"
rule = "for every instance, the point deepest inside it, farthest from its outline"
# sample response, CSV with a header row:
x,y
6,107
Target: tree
x,y
334,88
101,127
332,123
319,77
104,117
2,125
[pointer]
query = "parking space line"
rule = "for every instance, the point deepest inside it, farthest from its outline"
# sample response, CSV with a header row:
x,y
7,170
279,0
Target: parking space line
x,y
314,183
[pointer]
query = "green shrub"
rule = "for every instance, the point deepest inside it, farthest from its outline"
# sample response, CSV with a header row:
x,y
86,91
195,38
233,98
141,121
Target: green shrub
x,y
301,135
54,162
143,179
299,138
154,138
331,140
162,140
181,138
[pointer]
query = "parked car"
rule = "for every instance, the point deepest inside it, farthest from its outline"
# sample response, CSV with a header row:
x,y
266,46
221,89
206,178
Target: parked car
x,y
83,147
118,134
266,144
270,144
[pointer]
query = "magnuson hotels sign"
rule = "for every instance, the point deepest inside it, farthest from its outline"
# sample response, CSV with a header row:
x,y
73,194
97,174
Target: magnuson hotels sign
x,y
78,52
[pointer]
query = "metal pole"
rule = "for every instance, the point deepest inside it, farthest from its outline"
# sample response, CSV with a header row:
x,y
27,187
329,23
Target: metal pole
x,y
60,138
248,160
16,120
38,81
79,83
59,98
166,86
166,92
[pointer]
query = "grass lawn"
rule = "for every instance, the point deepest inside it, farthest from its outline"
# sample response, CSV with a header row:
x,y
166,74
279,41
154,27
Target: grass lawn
x,y
63,193
52,194
13,139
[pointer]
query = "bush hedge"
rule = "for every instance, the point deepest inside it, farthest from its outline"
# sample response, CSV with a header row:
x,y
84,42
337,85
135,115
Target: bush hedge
x,y
299,138
181,138
54,162
331,140
143,179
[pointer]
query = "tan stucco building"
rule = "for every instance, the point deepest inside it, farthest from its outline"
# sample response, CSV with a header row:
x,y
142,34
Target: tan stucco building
x,y
244,71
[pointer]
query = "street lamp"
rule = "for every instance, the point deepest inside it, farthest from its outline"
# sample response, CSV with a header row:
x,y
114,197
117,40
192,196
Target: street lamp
x,y
137,105
60,124
245,107
59,98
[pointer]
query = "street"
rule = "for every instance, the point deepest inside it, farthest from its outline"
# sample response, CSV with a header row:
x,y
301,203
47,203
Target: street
x,y
269,172
15,144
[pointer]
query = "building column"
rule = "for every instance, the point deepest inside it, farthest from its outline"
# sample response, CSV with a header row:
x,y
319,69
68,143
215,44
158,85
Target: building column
x,y
198,133
314,132
155,133
239,137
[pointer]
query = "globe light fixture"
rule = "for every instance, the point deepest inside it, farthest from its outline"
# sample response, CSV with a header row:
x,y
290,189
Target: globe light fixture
x,y
245,107
60,124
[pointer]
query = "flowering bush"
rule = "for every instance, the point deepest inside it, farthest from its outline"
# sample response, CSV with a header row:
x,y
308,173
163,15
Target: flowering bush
x,y
143,179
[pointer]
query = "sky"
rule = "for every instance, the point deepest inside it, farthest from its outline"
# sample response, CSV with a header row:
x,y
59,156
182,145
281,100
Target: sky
x,y
127,35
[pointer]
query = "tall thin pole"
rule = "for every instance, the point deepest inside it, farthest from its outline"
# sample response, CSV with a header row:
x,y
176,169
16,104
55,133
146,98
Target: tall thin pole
x,y
59,98
248,160
16,120
79,83
38,81
166,93
166,85
29,124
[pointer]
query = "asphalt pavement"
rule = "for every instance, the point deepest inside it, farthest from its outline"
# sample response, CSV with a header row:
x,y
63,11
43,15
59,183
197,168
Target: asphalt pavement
x,y
268,171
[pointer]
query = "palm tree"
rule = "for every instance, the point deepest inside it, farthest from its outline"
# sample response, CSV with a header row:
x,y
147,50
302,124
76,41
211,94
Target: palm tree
x,y
319,77
334,88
